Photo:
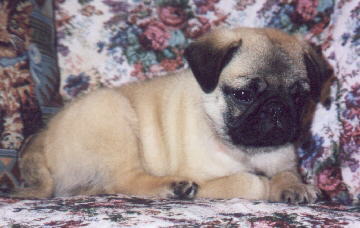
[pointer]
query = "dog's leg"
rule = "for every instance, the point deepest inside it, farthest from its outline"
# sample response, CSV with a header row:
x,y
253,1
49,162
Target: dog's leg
x,y
287,187
35,172
142,184
243,185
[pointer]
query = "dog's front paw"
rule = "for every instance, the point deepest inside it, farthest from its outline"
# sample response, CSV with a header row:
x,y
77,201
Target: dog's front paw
x,y
294,194
183,190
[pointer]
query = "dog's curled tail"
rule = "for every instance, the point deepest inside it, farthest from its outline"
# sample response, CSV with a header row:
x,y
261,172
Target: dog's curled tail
x,y
34,171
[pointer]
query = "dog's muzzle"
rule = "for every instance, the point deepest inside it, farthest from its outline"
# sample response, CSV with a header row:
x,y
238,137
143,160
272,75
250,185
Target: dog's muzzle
x,y
272,123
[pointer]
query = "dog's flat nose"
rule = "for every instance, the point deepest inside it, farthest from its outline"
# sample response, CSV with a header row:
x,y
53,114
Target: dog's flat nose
x,y
275,109
273,112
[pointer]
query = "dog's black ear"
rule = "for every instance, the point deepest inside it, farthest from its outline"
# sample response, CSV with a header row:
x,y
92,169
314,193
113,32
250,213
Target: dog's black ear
x,y
318,70
206,61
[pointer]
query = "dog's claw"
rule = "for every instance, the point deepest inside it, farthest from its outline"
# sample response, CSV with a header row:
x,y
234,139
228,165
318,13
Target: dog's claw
x,y
299,194
184,190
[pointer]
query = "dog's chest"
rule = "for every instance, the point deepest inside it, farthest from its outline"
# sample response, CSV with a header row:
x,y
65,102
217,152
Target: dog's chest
x,y
270,163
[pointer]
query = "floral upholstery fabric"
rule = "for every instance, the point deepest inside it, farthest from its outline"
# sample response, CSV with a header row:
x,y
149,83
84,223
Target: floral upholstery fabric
x,y
124,211
29,78
112,42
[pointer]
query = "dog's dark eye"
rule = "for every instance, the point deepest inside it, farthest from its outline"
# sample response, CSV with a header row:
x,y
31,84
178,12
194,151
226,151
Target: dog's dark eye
x,y
301,98
245,96
299,92
298,100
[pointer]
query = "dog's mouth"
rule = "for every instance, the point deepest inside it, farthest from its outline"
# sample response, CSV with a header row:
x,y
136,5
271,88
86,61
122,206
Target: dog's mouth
x,y
274,137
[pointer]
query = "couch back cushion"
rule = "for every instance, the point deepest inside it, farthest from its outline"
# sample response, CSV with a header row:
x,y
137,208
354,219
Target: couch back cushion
x,y
29,78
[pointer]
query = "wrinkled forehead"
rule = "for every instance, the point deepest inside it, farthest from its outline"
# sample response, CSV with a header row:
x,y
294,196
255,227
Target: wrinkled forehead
x,y
277,61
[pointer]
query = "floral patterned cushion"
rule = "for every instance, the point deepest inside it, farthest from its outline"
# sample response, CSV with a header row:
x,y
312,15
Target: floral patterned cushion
x,y
29,78
125,211
112,42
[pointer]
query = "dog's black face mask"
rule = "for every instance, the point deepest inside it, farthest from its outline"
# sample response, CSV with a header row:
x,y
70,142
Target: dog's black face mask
x,y
271,118
273,115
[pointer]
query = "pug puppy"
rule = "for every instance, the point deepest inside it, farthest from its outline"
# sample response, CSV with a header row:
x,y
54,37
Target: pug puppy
x,y
225,128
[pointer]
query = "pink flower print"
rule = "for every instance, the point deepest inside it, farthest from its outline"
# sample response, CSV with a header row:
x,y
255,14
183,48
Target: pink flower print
x,y
172,16
155,36
329,179
306,9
